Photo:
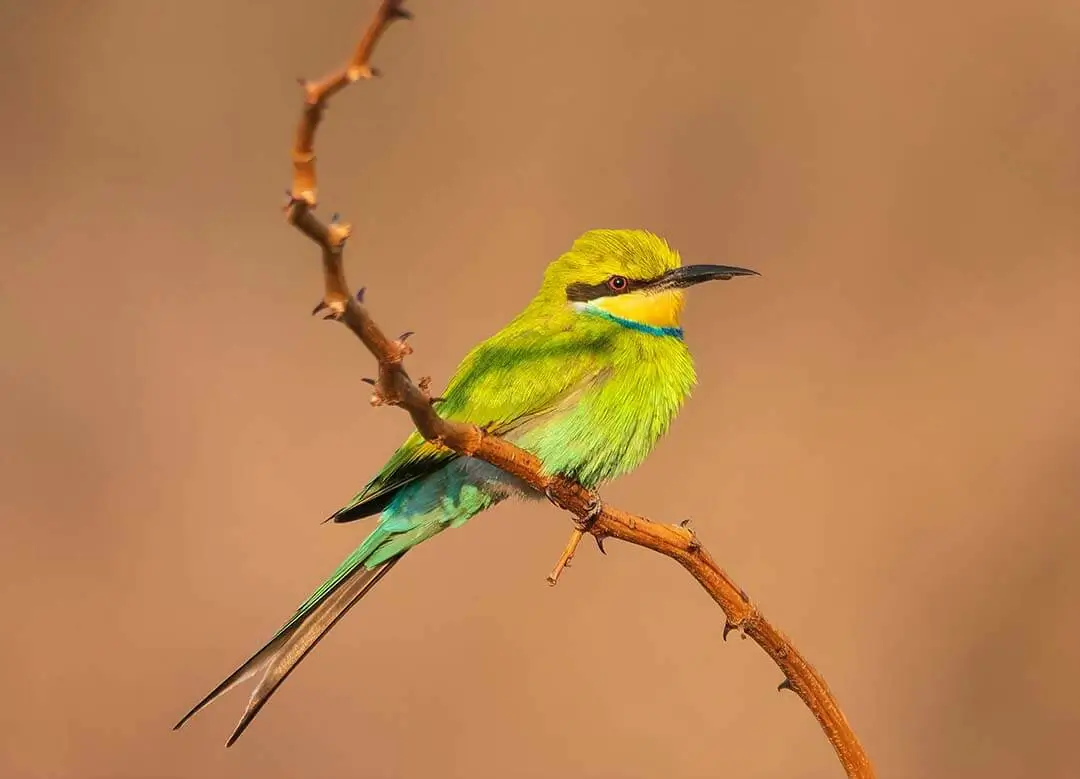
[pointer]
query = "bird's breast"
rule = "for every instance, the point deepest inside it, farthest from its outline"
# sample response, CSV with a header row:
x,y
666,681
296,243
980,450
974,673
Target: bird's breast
x,y
616,422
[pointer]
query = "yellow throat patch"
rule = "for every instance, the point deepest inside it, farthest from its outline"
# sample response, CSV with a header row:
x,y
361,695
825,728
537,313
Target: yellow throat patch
x,y
660,309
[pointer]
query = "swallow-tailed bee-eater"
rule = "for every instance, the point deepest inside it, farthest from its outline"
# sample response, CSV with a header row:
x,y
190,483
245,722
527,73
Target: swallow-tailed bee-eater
x,y
587,377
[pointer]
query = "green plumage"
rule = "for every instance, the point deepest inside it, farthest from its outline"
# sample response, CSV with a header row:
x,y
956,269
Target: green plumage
x,y
588,391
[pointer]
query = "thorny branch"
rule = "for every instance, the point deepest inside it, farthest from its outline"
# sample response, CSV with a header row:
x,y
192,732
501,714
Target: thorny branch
x,y
394,387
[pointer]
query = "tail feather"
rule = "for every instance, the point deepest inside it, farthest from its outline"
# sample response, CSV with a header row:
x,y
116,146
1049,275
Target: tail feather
x,y
284,651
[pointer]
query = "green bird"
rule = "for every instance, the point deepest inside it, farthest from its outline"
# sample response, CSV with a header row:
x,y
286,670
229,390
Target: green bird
x,y
587,378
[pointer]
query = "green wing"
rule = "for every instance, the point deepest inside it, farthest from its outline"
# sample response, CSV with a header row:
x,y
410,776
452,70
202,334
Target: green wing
x,y
516,376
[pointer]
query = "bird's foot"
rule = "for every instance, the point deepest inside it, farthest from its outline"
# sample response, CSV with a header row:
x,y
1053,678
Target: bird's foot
x,y
585,524
593,509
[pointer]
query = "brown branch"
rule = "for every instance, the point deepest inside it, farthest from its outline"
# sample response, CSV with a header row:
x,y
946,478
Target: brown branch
x,y
395,387
568,554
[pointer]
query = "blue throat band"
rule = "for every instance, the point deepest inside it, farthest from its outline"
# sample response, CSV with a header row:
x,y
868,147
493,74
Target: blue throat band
x,y
673,332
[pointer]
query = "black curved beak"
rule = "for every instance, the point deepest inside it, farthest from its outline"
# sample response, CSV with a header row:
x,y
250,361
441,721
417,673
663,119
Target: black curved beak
x,y
689,275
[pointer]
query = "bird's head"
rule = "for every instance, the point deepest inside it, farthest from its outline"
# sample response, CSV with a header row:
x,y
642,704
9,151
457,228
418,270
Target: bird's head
x,y
631,276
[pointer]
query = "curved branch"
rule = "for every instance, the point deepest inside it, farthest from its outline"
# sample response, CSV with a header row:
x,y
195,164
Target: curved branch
x,y
395,387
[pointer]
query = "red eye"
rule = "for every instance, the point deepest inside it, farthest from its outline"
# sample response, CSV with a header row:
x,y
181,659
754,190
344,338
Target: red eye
x,y
616,283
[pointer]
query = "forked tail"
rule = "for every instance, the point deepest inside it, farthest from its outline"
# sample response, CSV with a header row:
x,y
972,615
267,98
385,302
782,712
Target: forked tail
x,y
277,659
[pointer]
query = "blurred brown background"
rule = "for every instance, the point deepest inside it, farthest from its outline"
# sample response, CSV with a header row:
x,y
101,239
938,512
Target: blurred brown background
x,y
883,451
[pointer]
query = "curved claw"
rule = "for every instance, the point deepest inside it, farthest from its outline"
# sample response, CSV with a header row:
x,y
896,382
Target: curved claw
x,y
595,507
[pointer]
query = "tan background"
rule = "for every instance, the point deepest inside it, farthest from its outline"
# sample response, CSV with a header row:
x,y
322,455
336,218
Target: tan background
x,y
883,451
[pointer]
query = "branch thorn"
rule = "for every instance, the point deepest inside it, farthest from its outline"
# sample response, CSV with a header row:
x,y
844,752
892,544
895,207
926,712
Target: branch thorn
x,y
319,307
370,381
785,685
361,72
729,626
360,294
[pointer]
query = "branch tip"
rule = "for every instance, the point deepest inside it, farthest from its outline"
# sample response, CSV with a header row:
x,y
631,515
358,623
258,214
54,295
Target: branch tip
x,y
565,558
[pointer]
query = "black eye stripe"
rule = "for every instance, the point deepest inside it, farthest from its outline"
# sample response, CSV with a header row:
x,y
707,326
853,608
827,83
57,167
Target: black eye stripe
x,y
580,292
